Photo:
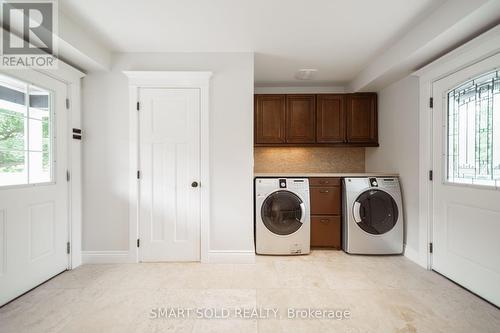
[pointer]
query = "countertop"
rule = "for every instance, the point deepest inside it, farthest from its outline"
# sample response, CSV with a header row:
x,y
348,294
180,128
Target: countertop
x,y
320,174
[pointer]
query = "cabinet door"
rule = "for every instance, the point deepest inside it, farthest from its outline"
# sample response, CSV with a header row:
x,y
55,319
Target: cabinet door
x,y
300,118
362,118
325,231
269,118
330,119
325,200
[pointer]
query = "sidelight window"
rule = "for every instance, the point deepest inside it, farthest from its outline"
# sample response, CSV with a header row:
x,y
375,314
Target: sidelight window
x,y
25,133
474,131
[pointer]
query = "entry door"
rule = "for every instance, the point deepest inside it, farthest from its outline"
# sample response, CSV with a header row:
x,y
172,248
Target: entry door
x,y
33,186
466,158
169,195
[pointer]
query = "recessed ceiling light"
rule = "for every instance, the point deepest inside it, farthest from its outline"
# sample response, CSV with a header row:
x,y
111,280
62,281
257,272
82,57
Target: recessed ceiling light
x,y
305,74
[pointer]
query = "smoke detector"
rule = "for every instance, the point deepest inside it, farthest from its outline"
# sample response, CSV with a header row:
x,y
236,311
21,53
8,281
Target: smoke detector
x,y
305,74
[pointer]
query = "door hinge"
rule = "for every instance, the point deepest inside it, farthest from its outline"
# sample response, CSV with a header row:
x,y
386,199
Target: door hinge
x,y
430,175
67,103
431,102
138,174
138,242
430,248
68,176
138,106
68,247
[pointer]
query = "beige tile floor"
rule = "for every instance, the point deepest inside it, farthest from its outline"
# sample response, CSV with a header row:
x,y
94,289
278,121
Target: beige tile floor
x,y
383,294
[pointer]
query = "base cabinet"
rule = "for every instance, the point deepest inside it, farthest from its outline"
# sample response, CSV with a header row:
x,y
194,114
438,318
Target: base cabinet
x,y
326,212
325,231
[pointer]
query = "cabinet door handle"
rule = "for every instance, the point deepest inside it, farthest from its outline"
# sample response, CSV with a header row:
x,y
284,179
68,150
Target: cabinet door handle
x,y
324,220
323,191
324,182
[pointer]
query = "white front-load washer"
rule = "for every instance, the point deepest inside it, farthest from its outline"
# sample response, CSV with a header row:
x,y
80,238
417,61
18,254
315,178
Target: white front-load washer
x,y
282,217
372,216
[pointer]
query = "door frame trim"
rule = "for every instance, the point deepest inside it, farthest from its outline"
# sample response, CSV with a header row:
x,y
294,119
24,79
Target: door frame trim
x,y
169,79
478,49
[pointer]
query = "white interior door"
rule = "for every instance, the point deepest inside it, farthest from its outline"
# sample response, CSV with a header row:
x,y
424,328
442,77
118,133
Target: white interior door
x,y
169,159
466,186
33,186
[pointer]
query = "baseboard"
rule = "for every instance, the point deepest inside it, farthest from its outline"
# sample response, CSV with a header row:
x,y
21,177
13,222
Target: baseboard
x,y
231,257
106,257
413,256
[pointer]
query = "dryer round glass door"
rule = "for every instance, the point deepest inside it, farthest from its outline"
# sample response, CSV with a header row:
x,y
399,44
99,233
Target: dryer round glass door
x,y
375,212
282,212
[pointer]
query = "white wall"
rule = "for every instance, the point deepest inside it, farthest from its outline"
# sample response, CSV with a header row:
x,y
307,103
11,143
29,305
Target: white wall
x,y
106,160
299,90
398,107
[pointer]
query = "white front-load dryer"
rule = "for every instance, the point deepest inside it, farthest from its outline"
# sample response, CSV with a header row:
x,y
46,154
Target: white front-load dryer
x,y
372,216
282,217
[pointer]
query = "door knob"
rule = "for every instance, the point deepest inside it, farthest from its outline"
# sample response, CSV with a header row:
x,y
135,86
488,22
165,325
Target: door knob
x,y
194,184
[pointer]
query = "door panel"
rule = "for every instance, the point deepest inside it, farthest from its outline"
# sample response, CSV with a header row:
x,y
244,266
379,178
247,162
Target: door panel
x,y
34,217
300,118
270,118
169,206
465,218
362,118
330,119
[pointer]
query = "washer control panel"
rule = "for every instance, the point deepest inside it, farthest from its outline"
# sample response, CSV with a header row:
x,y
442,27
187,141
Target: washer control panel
x,y
300,184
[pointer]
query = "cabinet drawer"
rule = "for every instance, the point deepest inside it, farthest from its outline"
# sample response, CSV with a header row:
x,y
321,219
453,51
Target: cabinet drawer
x,y
325,231
325,200
324,181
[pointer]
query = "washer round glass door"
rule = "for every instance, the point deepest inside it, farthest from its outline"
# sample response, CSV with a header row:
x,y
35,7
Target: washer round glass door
x,y
282,212
375,212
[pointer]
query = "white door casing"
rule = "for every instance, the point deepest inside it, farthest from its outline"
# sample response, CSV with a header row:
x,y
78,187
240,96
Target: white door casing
x,y
465,218
168,80
34,218
169,164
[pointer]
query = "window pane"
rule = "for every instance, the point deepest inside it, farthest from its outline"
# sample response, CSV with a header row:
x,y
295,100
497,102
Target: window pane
x,y
39,140
39,173
12,95
12,131
39,103
13,168
474,131
25,133
39,135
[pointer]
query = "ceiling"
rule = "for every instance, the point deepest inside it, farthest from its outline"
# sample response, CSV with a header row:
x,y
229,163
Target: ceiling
x,y
336,37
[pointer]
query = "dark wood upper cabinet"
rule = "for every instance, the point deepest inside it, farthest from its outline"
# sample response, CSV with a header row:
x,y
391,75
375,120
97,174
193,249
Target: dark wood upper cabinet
x,y
316,120
330,118
270,118
300,118
362,118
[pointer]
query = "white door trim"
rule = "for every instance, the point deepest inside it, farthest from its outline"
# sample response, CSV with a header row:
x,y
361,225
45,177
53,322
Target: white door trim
x,y
476,50
72,78
169,79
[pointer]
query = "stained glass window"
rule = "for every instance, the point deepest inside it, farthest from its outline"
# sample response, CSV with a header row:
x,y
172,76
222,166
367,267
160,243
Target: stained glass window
x,y
474,131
